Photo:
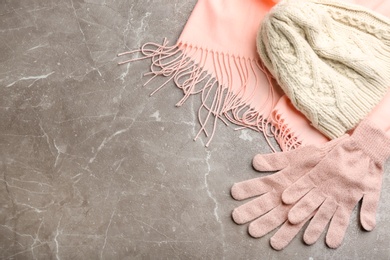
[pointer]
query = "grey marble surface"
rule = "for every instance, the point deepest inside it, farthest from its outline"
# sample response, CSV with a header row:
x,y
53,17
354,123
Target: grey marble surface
x,y
94,168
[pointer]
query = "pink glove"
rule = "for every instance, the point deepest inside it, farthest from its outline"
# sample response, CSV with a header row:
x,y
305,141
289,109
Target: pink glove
x,y
347,165
269,204
352,170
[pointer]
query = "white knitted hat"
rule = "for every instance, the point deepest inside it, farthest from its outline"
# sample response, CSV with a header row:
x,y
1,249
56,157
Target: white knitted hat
x,y
331,59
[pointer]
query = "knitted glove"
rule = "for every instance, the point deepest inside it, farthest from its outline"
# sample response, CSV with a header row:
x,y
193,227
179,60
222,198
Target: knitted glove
x,y
352,170
270,188
329,186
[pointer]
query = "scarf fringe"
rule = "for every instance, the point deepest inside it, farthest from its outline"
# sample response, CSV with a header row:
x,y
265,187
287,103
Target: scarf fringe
x,y
186,66
287,138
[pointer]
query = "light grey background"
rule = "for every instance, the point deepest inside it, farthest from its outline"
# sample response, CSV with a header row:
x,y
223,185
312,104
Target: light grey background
x,y
93,168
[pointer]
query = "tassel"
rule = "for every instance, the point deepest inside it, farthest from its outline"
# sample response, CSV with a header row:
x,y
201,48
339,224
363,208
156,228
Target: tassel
x,y
229,86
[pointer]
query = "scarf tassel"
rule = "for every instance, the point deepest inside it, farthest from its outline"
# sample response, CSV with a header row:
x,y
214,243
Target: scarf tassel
x,y
284,134
210,74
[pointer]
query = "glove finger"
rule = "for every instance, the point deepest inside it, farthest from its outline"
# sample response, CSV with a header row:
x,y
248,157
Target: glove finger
x,y
258,186
280,160
297,190
270,162
269,221
320,220
368,210
371,200
306,206
286,234
250,188
338,227
255,208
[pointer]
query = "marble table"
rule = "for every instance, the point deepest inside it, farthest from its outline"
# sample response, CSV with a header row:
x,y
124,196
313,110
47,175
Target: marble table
x,y
91,167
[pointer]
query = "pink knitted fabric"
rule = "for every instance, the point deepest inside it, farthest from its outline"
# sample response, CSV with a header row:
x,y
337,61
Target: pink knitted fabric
x,y
267,211
334,189
332,178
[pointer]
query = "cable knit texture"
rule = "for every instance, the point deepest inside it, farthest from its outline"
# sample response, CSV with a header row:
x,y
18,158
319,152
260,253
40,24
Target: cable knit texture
x,y
331,59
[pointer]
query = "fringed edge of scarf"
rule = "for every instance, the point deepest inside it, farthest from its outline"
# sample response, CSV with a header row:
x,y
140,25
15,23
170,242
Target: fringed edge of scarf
x,y
176,62
287,137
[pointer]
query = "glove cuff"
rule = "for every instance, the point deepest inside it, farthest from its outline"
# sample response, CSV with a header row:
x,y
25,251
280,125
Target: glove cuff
x,y
372,140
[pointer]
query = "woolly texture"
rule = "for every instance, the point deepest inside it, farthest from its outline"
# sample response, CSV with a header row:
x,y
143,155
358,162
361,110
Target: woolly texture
x,y
310,184
331,59
333,190
266,212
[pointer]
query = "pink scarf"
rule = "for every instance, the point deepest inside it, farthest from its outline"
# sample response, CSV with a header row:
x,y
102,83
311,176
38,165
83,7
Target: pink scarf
x,y
216,58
